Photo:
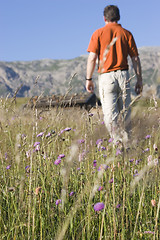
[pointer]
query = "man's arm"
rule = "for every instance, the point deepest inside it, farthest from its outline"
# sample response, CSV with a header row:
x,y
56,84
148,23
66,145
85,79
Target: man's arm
x,y
91,63
137,69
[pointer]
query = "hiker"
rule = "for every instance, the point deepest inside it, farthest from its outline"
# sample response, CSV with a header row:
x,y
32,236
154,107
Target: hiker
x,y
111,45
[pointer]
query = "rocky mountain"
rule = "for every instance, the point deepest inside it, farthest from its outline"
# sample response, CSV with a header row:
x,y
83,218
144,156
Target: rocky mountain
x,y
47,77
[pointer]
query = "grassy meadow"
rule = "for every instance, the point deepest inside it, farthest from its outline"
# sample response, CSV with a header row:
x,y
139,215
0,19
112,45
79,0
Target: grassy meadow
x,y
61,177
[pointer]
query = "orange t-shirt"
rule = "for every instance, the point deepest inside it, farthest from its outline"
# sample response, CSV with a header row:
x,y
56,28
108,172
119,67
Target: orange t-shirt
x,y
116,58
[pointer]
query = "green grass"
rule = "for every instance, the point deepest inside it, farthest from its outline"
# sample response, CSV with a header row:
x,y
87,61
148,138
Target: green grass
x,y
30,182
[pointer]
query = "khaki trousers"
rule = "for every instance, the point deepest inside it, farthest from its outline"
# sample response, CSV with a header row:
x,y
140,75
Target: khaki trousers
x,y
114,90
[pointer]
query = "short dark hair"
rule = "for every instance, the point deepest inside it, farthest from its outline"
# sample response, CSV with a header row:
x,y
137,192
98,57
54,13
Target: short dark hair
x,y
111,13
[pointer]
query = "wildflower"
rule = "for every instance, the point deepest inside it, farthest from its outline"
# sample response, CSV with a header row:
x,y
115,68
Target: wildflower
x,y
137,161
100,188
57,161
28,153
103,148
148,136
149,232
48,135
37,148
110,140
58,201
153,202
6,155
36,143
146,150
103,166
99,206
67,129
99,142
118,205
135,173
27,167
71,194
90,114
61,156
94,163
131,160
118,151
111,180
40,134
8,167
102,122
81,141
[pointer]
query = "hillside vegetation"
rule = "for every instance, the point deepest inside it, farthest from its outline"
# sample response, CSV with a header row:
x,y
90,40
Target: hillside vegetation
x,y
48,77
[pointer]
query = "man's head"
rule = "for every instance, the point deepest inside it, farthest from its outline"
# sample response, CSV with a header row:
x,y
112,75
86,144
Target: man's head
x,y
111,13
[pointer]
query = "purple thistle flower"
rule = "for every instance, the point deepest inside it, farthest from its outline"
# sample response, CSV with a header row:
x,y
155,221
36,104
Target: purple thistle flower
x,y
149,232
103,166
146,150
135,173
81,141
131,160
57,161
71,194
27,167
94,163
36,143
118,205
58,201
8,167
102,122
48,135
99,206
40,134
100,188
67,129
110,140
99,142
61,156
37,148
111,180
28,153
118,151
148,136
103,148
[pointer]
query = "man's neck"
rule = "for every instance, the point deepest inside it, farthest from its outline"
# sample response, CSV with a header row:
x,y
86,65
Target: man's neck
x,y
106,22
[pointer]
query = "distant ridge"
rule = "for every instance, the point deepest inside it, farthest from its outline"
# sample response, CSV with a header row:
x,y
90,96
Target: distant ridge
x,y
48,76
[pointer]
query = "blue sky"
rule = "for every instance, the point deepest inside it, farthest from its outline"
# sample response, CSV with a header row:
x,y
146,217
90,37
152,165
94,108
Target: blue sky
x,y
61,29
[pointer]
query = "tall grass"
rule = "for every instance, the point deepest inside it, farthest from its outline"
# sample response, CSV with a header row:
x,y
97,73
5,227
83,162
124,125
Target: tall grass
x,y
56,165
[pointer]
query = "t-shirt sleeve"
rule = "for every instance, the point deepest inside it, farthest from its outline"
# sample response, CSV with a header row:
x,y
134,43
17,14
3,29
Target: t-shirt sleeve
x,y
133,51
94,43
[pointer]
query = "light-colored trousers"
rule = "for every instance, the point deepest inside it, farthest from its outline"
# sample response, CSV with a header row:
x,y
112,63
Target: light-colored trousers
x,y
114,91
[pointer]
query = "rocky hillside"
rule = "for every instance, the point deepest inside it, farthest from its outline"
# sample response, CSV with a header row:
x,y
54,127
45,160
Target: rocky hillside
x,y
47,77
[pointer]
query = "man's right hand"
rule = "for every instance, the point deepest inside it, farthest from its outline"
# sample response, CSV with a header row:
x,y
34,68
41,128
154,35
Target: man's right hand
x,y
89,86
139,87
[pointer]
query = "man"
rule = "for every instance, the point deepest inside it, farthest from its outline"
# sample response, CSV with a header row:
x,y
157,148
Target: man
x,y
112,44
